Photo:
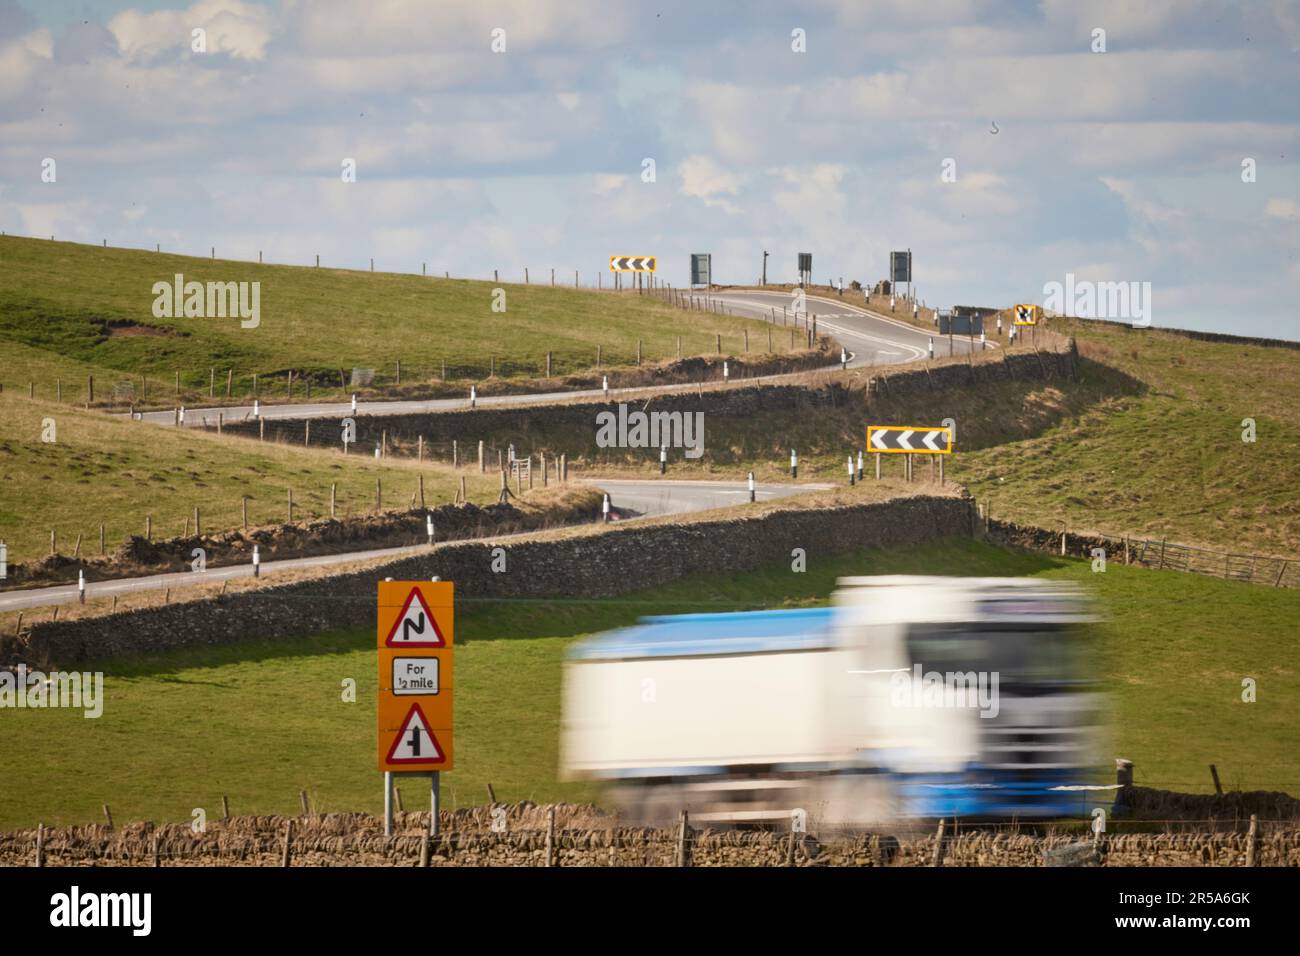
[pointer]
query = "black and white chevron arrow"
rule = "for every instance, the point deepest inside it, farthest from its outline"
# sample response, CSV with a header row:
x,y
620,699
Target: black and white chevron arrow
x,y
631,263
919,441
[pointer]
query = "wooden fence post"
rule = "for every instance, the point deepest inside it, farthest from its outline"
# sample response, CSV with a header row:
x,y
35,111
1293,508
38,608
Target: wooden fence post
x,y
550,836
937,859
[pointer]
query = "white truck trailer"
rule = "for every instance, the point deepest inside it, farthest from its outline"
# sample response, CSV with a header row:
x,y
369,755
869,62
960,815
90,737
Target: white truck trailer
x,y
909,697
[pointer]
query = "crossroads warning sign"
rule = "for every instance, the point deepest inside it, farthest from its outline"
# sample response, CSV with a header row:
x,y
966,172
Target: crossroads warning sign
x,y
416,642
416,741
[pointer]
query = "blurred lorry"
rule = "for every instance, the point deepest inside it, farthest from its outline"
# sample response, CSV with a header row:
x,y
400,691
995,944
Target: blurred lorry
x,y
910,697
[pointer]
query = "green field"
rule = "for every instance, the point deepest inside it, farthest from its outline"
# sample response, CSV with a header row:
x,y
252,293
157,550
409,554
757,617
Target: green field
x,y
117,471
68,311
259,722
1169,462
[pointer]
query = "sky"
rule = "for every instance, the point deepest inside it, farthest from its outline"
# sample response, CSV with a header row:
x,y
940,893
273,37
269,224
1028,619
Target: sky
x,y
993,139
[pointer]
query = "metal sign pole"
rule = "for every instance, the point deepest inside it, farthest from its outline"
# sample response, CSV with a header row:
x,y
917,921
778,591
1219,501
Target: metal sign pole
x,y
434,784
388,803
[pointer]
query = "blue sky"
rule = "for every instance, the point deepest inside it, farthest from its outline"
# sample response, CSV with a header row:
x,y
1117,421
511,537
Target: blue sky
x,y
1117,166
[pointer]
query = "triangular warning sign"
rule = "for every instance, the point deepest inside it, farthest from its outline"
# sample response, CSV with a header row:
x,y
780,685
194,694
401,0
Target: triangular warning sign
x,y
415,742
416,625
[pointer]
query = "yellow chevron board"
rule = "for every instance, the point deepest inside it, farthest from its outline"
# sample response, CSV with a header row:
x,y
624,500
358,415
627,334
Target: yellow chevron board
x,y
909,439
1027,314
633,263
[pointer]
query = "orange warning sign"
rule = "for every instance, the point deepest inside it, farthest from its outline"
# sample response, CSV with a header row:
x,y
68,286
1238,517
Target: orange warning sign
x,y
415,635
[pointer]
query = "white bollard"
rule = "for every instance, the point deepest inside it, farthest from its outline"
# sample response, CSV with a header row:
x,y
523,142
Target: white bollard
x,y
604,384
428,527
981,341
604,507
751,487
257,561
473,396
859,464
376,449
663,459
180,415
354,401
915,310
257,409
850,469
726,372
794,464
81,586
932,346
844,358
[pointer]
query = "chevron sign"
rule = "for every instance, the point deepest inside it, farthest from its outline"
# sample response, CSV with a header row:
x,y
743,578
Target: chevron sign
x,y
1026,315
916,440
631,263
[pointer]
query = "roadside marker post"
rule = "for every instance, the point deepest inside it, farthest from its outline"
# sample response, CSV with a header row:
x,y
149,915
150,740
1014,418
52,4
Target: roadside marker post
x,y
794,464
257,561
752,497
604,507
663,459
81,584
850,471
415,632
859,464
354,403
428,526
932,347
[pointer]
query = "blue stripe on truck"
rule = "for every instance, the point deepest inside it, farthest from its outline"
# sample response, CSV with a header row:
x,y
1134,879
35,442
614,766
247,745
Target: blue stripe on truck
x,y
703,635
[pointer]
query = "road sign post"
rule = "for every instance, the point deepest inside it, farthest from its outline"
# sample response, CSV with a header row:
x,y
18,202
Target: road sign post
x,y
416,638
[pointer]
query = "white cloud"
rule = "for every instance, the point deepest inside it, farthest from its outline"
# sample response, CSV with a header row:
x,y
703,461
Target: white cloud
x,y
704,179
241,29
1280,208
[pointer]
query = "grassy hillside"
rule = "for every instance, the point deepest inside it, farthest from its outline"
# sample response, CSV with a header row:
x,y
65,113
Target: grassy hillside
x,y
1173,678
117,471
1169,462
69,310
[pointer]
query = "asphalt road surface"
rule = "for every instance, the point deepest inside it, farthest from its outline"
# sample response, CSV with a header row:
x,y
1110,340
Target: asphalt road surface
x,y
629,499
871,337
